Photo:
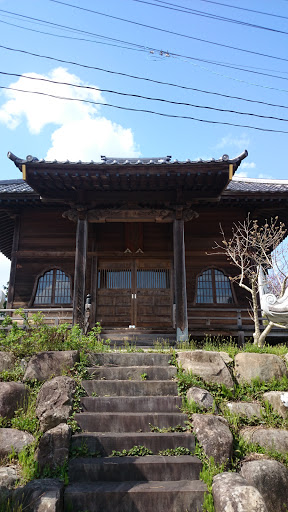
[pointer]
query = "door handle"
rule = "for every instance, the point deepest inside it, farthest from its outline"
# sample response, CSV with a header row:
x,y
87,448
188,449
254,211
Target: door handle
x,y
134,295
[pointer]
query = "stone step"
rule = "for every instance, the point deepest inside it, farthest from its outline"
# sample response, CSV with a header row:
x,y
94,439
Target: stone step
x,y
130,387
178,496
129,359
131,404
104,443
147,468
133,372
127,421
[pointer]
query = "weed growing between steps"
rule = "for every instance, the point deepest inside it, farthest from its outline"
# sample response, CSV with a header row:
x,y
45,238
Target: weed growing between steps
x,y
136,451
164,430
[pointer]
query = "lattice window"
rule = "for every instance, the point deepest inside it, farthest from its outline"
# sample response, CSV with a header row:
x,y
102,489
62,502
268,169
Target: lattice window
x,y
214,287
114,279
153,278
53,288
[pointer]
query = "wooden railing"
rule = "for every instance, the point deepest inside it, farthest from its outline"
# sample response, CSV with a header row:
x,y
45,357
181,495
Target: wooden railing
x,y
52,316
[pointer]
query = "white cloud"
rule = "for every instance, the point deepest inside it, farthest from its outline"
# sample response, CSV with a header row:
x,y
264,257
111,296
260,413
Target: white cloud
x,y
248,165
241,174
264,176
82,134
4,271
241,142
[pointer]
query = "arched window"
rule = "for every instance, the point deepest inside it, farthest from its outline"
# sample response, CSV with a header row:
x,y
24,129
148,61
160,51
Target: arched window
x,y
53,288
213,287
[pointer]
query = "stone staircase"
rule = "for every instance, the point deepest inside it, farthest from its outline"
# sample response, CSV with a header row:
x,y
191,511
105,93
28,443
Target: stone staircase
x,y
128,393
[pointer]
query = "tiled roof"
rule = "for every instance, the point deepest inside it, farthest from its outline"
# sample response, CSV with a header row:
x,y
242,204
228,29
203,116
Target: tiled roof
x,y
257,185
15,187
125,161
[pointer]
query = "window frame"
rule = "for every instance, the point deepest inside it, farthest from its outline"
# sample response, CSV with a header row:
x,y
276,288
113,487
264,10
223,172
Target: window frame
x,y
52,304
215,303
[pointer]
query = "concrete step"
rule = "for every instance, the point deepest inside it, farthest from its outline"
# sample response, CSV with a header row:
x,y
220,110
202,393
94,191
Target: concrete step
x,y
130,387
139,404
104,443
178,496
127,421
147,468
133,372
129,359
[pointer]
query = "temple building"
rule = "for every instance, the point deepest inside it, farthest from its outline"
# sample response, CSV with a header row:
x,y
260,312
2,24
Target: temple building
x,y
136,236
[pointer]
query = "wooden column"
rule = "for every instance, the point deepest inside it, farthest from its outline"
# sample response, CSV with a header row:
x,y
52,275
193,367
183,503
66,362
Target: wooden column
x,y
180,280
80,272
15,246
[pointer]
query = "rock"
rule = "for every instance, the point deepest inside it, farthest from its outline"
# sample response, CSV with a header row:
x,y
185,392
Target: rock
x,y
44,365
54,402
207,365
44,495
214,435
8,479
286,357
13,396
248,409
232,493
202,397
13,439
226,358
7,361
249,366
271,479
274,398
270,438
53,449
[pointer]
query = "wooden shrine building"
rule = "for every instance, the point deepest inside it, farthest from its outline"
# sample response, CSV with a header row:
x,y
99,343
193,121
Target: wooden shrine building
x,y
136,235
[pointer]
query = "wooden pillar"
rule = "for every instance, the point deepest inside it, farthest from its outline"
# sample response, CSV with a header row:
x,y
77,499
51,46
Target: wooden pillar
x,y
15,244
180,280
80,272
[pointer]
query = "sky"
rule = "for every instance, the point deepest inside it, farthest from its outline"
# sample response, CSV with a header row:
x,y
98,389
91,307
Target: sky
x,y
215,70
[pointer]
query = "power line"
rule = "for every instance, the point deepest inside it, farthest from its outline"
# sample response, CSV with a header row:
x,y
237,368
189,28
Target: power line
x,y
139,96
135,77
146,111
193,12
153,49
230,6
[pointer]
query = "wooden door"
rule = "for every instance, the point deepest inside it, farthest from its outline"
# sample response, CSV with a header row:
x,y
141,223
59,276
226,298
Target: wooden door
x,y
134,292
153,305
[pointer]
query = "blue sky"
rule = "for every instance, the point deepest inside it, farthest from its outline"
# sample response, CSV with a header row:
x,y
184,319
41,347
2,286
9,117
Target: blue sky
x,y
52,128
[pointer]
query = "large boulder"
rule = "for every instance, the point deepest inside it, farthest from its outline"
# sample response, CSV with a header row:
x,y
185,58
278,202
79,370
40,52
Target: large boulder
x,y
269,438
43,495
44,365
248,409
7,361
214,435
8,479
55,401
232,493
271,479
209,366
249,366
53,449
274,398
12,439
202,398
13,396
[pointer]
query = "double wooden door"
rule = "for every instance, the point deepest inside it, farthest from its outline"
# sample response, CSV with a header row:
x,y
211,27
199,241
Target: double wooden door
x,y
134,292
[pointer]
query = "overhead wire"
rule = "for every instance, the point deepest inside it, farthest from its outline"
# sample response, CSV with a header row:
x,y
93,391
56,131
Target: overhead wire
x,y
135,77
276,57
223,5
193,12
139,96
175,116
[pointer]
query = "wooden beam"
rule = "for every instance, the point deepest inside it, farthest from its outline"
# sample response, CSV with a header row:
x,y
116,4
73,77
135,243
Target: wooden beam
x,y
80,272
180,280
13,268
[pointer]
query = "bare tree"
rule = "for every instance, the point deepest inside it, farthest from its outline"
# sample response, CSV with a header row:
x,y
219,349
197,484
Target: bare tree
x,y
252,247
